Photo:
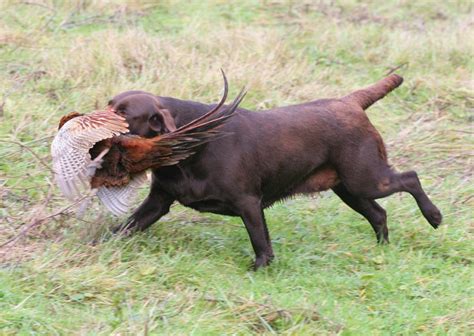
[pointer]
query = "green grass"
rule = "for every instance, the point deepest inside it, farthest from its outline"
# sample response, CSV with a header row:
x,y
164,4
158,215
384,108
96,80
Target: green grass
x,y
189,274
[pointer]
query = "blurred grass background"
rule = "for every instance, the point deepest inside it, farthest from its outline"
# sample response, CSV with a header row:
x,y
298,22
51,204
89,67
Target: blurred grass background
x,y
189,273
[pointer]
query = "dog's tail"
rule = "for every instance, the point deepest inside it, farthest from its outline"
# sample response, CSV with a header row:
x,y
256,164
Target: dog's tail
x,y
366,97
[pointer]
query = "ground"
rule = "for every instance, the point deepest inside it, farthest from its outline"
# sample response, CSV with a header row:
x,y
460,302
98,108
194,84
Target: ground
x,y
189,274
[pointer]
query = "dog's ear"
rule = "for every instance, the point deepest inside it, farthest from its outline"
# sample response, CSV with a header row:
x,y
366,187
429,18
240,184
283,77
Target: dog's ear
x,y
162,122
168,120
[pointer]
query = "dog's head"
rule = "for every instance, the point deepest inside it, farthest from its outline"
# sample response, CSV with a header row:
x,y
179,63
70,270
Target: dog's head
x,y
144,113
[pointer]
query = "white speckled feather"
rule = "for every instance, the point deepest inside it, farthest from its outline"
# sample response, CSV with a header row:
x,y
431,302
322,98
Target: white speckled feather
x,y
72,161
70,149
117,199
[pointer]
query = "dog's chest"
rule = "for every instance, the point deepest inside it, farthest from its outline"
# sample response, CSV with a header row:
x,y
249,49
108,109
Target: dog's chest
x,y
193,191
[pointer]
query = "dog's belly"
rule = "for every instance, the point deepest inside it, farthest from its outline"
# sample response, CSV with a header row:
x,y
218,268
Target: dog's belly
x,y
321,179
209,196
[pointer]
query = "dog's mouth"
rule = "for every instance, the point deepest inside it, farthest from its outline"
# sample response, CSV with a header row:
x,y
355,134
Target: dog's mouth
x,y
114,111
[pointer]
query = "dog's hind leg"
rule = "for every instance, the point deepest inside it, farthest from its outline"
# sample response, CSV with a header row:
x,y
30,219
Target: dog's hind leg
x,y
367,175
391,182
409,182
370,209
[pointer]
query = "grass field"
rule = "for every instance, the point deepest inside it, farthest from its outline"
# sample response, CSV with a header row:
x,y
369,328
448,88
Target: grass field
x,y
189,274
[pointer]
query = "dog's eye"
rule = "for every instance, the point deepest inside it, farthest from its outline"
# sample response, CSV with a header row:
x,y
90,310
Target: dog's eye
x,y
120,113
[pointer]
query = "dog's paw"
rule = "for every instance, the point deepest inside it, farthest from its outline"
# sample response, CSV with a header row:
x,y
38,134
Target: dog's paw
x,y
383,240
434,217
122,231
262,261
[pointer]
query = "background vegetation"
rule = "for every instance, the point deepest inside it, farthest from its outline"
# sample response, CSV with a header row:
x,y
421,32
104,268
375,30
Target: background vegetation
x,y
189,273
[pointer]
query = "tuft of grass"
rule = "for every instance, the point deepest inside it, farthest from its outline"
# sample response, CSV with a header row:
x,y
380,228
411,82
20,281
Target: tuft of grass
x,y
189,273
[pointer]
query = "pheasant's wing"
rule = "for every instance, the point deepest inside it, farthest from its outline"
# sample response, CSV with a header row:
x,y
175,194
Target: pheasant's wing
x,y
70,149
118,199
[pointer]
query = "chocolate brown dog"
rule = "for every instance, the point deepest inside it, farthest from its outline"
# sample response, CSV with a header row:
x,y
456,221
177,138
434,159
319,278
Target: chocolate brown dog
x,y
271,155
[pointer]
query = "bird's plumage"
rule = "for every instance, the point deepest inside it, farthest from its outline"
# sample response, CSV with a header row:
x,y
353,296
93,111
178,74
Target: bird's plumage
x,y
70,149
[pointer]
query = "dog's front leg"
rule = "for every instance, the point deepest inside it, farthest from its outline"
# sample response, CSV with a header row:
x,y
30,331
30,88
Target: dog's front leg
x,y
253,217
155,206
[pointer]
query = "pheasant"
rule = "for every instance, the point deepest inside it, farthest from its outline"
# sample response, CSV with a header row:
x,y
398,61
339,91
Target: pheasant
x,y
94,152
